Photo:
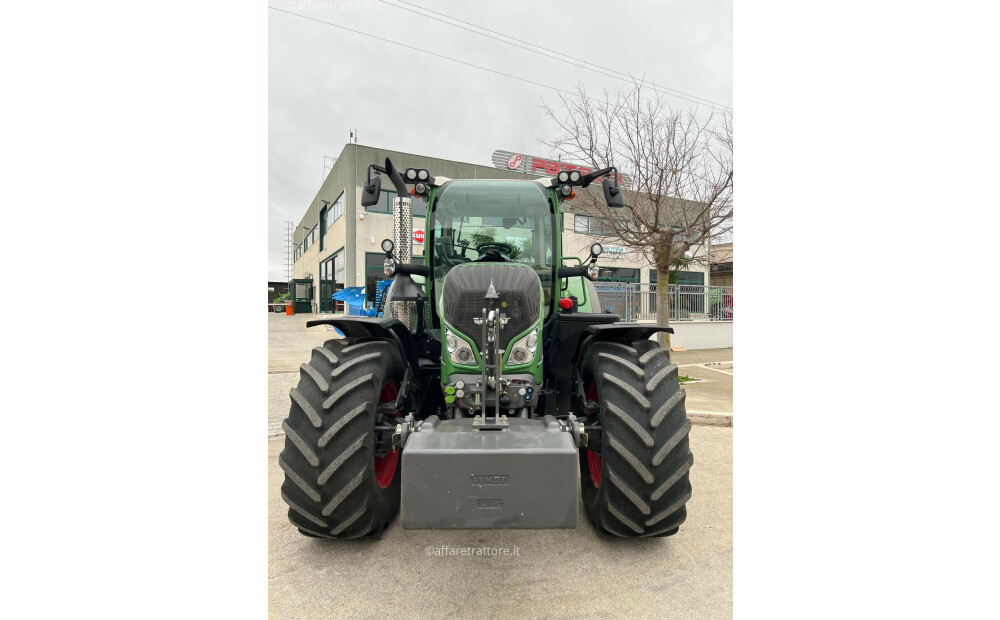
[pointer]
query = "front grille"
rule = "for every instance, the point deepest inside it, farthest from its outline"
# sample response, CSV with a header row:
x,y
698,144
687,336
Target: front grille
x,y
464,294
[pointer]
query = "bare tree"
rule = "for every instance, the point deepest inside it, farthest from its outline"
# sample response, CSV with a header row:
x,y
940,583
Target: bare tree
x,y
677,164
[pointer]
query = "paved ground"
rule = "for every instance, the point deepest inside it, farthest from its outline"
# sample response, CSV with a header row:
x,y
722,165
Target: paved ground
x,y
289,340
689,575
714,368
686,576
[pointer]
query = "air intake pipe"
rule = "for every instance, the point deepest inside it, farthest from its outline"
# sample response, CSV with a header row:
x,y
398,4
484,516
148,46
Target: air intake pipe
x,y
402,237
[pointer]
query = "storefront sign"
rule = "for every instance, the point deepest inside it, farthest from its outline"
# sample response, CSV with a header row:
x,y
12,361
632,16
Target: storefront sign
x,y
541,166
418,235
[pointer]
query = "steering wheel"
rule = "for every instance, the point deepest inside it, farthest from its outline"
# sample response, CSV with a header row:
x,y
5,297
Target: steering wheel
x,y
493,250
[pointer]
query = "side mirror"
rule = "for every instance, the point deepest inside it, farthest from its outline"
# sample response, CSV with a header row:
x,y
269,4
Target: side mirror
x,y
613,194
372,192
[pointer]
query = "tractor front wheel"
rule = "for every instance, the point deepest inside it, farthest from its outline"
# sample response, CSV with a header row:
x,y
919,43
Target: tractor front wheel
x,y
635,478
338,482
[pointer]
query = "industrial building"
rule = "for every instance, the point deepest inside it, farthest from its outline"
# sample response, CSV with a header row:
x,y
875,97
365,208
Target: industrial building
x,y
337,242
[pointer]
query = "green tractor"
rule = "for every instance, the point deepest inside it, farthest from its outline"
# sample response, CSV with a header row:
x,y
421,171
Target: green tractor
x,y
493,391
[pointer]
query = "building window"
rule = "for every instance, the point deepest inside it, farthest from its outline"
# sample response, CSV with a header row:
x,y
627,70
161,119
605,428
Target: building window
x,y
309,240
696,278
384,204
588,225
418,206
336,211
373,273
331,277
338,269
322,227
618,274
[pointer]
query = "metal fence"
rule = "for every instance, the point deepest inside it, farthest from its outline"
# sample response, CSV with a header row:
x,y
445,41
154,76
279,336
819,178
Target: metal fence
x,y
634,301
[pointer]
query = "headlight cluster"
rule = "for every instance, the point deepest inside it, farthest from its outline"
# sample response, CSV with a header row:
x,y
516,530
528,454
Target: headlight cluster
x,y
569,177
415,174
459,349
523,351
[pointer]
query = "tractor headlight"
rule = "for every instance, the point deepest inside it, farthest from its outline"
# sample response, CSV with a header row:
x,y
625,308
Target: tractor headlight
x,y
593,270
389,267
523,351
459,349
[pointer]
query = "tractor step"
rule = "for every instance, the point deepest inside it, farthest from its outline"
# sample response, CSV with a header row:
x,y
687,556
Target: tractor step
x,y
458,477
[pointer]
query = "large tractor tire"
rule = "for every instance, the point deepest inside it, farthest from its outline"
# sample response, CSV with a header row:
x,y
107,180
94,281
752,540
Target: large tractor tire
x,y
335,486
635,478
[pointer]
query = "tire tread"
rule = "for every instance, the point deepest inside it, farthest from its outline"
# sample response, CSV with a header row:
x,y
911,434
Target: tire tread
x,y
645,447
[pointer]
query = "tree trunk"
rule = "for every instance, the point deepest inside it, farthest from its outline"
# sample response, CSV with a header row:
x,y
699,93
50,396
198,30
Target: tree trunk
x,y
663,302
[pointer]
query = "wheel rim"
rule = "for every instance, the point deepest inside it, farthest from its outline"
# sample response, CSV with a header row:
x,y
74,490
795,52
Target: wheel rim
x,y
593,457
385,467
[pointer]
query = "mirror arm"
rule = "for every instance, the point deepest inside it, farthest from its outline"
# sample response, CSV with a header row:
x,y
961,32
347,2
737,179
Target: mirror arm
x,y
377,168
413,269
593,176
573,272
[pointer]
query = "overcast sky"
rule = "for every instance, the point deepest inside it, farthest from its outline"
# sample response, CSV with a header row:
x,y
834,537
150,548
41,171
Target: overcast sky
x,y
324,81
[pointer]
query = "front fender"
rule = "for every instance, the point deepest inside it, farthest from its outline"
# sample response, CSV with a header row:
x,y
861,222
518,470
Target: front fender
x,y
383,327
628,332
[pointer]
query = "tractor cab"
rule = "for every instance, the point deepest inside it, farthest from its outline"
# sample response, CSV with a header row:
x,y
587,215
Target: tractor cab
x,y
492,221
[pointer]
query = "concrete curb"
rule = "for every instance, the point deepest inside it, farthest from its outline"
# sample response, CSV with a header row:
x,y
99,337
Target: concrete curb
x,y
710,418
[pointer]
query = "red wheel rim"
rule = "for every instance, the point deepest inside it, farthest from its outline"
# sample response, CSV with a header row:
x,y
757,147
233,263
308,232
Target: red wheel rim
x,y
385,467
593,458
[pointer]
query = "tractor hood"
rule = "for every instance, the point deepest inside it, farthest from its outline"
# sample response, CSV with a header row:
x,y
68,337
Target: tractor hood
x,y
465,294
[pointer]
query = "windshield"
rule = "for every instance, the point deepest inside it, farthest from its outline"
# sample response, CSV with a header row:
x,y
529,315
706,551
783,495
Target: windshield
x,y
508,221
